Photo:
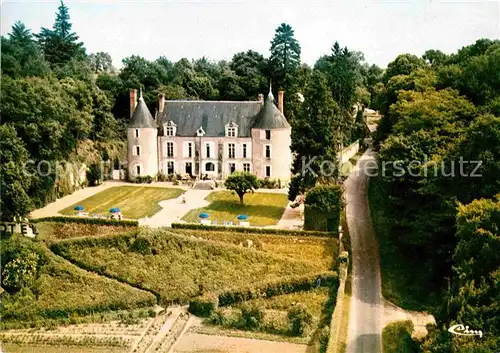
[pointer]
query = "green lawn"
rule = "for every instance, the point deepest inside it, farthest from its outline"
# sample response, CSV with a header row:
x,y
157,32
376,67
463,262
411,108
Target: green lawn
x,y
134,201
263,209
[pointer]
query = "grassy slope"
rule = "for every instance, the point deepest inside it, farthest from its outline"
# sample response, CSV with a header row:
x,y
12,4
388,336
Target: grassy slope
x,y
181,267
323,251
398,275
64,288
134,201
263,209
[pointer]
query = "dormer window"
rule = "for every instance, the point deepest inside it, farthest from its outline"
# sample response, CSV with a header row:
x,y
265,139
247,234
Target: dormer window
x,y
231,129
200,132
170,128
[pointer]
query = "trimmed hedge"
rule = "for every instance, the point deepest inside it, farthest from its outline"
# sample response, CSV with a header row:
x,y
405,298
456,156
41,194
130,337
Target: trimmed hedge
x,y
85,220
204,305
297,233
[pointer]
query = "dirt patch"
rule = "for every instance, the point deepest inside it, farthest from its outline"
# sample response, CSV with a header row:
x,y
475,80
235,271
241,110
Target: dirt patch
x,y
392,313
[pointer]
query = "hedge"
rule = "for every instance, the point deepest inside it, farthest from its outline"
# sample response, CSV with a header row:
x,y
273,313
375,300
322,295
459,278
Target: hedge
x,y
204,305
85,220
297,233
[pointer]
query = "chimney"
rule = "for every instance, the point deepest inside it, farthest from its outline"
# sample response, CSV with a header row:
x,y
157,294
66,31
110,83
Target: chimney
x,y
261,97
280,101
161,103
133,100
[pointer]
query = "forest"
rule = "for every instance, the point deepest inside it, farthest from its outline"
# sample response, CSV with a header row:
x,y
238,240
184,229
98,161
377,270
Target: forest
x,y
443,216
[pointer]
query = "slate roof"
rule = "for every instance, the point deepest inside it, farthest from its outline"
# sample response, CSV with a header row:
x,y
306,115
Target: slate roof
x,y
212,116
142,117
270,117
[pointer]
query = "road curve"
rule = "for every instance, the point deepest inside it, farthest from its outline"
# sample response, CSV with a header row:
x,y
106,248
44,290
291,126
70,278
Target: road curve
x,y
365,314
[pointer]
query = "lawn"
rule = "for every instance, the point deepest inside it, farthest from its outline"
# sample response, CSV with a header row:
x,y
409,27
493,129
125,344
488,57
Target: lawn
x,y
178,268
134,201
263,209
62,290
323,251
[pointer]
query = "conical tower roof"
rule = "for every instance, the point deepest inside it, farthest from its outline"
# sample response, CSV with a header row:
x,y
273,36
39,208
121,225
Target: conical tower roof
x,y
142,117
270,117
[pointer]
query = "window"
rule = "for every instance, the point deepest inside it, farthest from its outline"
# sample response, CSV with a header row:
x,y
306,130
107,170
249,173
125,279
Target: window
x,y
170,149
231,129
170,167
268,151
138,169
232,168
170,131
137,150
268,134
210,167
244,150
230,150
200,132
190,150
268,171
136,132
207,146
246,167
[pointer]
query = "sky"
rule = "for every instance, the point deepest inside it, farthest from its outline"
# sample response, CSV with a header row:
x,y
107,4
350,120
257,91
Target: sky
x,y
219,29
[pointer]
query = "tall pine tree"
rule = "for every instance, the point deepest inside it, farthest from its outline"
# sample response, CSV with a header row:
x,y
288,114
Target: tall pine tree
x,y
59,44
284,66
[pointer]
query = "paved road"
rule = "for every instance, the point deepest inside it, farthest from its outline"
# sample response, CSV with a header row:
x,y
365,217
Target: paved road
x,y
365,317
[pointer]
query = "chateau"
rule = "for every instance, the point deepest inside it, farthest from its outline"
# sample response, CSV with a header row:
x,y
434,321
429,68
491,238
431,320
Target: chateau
x,y
209,138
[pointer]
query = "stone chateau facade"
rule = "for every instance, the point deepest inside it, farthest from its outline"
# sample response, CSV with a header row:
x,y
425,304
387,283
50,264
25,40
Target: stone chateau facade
x,y
209,138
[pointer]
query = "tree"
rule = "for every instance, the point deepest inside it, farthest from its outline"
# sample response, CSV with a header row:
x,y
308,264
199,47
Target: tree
x,y
21,55
14,182
404,64
285,56
242,183
252,71
315,137
101,62
59,44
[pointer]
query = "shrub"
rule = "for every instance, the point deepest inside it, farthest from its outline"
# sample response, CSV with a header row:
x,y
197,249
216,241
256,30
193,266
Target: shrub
x,y
204,305
252,316
396,338
295,233
268,183
322,208
300,319
85,220
21,271
141,245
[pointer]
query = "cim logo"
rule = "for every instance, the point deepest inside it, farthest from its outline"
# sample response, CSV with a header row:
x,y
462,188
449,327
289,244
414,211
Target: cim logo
x,y
462,330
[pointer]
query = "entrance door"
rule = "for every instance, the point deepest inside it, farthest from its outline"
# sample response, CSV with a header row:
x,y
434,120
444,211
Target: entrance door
x,y
189,168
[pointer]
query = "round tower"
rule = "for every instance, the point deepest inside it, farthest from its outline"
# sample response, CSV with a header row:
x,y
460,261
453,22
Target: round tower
x,y
142,139
271,141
